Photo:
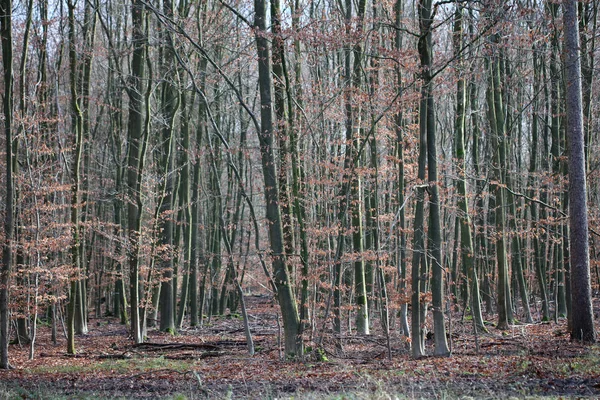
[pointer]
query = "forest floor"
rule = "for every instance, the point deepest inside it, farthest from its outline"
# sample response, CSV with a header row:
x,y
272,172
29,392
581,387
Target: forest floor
x,y
527,361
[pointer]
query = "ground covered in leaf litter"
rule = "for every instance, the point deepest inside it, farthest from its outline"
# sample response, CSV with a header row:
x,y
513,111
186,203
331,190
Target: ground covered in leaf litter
x,y
527,361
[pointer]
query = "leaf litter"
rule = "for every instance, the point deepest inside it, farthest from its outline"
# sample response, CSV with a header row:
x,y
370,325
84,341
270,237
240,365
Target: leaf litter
x,y
530,360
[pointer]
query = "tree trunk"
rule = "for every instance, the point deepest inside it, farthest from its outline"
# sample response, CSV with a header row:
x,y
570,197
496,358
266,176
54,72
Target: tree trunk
x,y
287,302
77,125
496,117
7,108
467,249
135,161
582,328
427,117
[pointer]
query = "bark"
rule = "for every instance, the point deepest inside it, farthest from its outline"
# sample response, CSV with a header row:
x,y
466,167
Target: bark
x,y
198,255
417,279
582,328
135,161
402,267
533,207
84,77
496,117
588,15
555,156
298,174
427,117
77,126
170,105
467,249
281,125
287,302
7,108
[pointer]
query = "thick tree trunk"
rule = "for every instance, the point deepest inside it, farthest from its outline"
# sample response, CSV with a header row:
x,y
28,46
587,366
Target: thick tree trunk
x,y
582,320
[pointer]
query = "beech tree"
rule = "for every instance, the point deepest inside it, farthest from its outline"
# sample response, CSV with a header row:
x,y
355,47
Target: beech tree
x,y
428,147
7,109
287,302
137,131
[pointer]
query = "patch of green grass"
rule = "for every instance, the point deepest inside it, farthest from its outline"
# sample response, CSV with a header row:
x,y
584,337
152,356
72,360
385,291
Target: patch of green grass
x,y
118,366
10,393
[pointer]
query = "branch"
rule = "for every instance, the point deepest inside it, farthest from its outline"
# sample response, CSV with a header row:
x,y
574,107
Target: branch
x,y
531,199
561,212
237,13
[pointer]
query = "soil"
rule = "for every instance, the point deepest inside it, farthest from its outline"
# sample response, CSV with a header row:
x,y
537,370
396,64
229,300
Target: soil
x,y
212,361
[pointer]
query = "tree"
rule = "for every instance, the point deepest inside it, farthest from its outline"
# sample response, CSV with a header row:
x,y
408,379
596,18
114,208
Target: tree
x,y
170,104
466,236
400,139
427,128
7,108
497,123
136,134
287,302
582,327
77,124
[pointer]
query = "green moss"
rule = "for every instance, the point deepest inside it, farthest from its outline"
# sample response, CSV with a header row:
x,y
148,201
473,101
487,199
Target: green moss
x,y
171,331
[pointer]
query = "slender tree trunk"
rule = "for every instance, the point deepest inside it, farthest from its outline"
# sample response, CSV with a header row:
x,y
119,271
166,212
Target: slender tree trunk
x,y
135,161
402,267
7,108
84,83
281,125
170,104
466,236
287,301
427,116
77,123
496,116
479,240
418,280
533,208
298,174
198,256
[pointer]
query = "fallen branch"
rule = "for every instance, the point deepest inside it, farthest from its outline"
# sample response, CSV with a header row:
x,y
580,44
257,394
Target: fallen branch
x,y
175,346
123,356
194,356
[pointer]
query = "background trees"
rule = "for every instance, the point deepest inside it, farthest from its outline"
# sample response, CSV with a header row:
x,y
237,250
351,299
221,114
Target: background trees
x,y
211,151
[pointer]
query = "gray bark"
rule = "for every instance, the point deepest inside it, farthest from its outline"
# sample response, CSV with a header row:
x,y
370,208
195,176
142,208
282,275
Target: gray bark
x,y
7,108
427,125
582,319
287,301
135,160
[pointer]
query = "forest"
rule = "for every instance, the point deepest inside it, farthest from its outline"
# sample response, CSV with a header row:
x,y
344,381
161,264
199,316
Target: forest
x,y
403,181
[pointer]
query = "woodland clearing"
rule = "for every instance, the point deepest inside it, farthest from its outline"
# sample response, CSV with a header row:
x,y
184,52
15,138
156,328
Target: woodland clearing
x,y
527,361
